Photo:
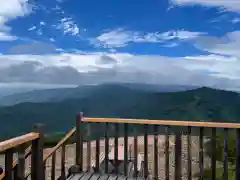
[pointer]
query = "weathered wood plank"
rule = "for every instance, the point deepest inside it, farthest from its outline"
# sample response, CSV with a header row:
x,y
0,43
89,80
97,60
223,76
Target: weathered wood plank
x,y
76,176
121,178
112,177
103,177
164,122
95,177
17,141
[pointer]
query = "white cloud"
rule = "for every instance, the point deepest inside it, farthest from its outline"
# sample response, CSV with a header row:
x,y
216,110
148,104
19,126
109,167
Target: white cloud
x,y
225,55
227,45
121,37
9,10
52,39
42,23
7,37
68,26
235,20
39,32
32,28
230,5
88,68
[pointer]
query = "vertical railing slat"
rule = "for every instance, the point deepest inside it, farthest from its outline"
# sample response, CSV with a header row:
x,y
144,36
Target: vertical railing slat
x,y
63,157
201,165
37,164
145,150
178,155
166,153
53,166
116,136
8,164
97,154
88,134
106,148
21,162
189,152
225,164
155,152
213,153
79,142
88,155
135,144
238,155
125,149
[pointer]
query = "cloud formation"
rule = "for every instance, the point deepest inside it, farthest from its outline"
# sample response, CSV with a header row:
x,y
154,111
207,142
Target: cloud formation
x,y
68,26
229,5
227,45
9,10
120,37
98,68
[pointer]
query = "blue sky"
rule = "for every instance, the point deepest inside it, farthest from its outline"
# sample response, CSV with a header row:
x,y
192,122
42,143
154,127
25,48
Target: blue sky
x,y
84,41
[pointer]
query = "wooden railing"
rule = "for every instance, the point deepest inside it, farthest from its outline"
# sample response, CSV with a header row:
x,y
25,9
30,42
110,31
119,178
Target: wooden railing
x,y
22,147
204,131
101,131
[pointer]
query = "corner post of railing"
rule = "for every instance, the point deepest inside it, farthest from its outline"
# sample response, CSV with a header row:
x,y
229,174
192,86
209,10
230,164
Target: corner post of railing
x,y
37,164
79,141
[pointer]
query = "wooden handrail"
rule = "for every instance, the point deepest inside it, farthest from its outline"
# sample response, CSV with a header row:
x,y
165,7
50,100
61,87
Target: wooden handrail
x,y
60,143
17,141
163,122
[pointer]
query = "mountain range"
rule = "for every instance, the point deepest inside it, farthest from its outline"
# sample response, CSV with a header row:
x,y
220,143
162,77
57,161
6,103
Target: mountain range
x,y
60,94
115,100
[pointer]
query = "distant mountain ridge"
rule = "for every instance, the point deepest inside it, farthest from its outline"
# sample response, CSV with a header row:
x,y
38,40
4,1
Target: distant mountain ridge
x,y
123,102
60,94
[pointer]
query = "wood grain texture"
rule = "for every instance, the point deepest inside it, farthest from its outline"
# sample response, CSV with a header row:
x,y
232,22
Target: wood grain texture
x,y
163,122
17,141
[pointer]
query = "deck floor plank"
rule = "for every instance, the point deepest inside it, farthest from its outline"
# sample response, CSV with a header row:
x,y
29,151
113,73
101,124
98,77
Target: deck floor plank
x,y
76,176
86,176
103,177
122,178
95,177
112,177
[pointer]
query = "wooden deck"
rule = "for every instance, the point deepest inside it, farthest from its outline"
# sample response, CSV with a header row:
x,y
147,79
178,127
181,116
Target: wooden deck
x,y
97,176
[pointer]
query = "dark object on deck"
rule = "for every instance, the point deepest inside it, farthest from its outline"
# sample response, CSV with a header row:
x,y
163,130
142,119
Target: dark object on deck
x,y
1,170
73,170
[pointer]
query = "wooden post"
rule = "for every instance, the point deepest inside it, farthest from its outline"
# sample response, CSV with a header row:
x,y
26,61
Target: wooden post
x,y
8,164
79,143
37,164
63,157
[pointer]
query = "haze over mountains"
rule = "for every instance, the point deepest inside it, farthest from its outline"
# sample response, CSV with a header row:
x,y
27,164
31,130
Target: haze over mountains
x,y
117,100
60,94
